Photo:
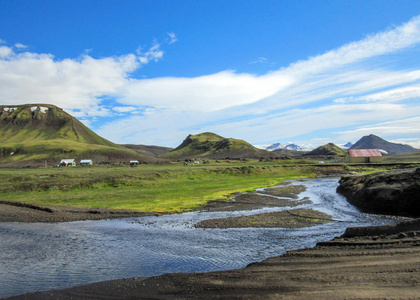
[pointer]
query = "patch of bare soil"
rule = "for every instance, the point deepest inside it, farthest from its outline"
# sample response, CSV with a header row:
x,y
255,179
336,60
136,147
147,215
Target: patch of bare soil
x,y
250,201
288,191
382,263
295,218
20,212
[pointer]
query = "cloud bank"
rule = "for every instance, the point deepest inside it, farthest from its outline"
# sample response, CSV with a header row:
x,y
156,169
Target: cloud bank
x,y
360,88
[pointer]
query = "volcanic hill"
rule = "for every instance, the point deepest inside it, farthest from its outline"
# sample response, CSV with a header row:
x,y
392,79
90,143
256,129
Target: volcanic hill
x,y
211,145
33,133
328,149
375,142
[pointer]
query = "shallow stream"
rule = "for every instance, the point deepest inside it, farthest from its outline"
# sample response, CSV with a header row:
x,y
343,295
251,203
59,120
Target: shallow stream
x,y
42,256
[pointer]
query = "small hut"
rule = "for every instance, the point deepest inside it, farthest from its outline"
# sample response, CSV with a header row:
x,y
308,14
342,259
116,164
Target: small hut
x,y
363,156
67,162
86,162
134,163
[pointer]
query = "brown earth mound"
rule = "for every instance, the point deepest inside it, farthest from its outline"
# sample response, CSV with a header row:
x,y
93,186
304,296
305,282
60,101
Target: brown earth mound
x,y
394,192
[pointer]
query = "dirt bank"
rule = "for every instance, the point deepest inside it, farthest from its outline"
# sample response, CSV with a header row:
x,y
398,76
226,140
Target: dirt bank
x,y
18,212
383,264
393,192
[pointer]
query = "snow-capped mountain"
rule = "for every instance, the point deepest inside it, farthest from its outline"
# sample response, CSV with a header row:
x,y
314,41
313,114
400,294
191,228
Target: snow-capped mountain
x,y
347,146
278,146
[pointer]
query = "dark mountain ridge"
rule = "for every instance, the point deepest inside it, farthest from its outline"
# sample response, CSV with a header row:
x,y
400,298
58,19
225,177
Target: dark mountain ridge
x,y
375,142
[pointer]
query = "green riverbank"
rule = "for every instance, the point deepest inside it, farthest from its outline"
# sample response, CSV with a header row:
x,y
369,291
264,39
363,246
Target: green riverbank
x,y
148,188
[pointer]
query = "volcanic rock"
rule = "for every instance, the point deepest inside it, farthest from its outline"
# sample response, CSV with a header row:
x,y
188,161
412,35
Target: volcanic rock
x,y
394,192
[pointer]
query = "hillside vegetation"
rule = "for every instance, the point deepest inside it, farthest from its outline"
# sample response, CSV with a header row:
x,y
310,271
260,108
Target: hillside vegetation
x,y
328,149
38,132
149,188
211,145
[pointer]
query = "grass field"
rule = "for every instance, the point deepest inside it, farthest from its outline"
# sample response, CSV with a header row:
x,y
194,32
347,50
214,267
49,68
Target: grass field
x,y
152,188
148,188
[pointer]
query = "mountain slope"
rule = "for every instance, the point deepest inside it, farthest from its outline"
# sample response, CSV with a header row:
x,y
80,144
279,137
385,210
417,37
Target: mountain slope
x,y
41,132
375,142
328,149
211,145
148,150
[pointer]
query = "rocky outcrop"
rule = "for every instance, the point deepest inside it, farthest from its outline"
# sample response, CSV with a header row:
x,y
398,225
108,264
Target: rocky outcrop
x,y
394,192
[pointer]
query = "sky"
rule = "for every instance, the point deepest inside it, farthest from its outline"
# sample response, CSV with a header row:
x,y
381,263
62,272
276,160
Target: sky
x,y
152,72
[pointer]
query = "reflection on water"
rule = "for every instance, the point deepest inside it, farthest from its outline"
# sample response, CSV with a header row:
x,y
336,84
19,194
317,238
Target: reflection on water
x,y
46,256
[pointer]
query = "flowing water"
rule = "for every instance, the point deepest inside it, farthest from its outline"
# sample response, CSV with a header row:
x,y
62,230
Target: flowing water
x,y
41,256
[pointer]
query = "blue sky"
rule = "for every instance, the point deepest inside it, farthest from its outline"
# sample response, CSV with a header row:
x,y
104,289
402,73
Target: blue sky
x,y
152,72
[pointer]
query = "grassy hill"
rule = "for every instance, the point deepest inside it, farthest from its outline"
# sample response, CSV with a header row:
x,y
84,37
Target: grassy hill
x,y
328,149
34,133
211,145
148,150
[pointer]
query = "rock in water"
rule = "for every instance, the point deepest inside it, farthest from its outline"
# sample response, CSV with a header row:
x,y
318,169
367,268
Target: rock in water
x,y
394,192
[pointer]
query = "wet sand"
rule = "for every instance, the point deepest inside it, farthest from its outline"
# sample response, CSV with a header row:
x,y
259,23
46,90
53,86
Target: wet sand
x,y
377,262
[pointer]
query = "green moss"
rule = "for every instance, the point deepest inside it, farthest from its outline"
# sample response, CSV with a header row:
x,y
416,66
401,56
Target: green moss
x,y
150,188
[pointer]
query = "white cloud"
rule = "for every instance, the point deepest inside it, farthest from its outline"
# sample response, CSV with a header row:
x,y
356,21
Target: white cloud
x,y
77,85
70,83
172,38
153,54
355,86
260,60
205,93
409,126
5,52
20,46
124,109
374,45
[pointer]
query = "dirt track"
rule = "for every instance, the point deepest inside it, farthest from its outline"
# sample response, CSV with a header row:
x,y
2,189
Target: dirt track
x,y
384,264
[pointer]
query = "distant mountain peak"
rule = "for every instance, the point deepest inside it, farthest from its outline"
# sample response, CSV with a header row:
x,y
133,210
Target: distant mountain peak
x,y
328,149
289,146
375,142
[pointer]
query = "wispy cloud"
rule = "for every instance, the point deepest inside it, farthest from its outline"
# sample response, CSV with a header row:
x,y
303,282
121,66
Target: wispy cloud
x,y
20,46
259,60
172,38
343,87
205,93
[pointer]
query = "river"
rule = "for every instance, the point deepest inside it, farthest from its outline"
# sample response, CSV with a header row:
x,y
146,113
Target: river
x,y
42,256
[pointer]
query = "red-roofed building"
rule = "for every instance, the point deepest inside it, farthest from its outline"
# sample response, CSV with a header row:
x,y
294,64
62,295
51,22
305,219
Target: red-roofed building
x,y
363,156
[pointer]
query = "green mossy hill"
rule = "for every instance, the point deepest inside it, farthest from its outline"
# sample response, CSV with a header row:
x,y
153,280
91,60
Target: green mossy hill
x,y
211,145
148,150
36,132
328,149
